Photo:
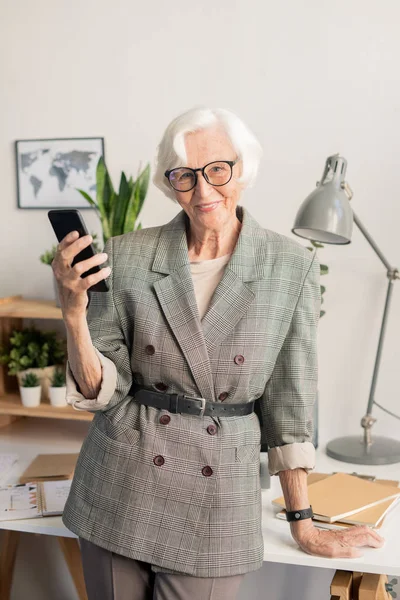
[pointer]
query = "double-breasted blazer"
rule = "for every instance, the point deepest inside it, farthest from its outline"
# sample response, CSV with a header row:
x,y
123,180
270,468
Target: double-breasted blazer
x,y
140,488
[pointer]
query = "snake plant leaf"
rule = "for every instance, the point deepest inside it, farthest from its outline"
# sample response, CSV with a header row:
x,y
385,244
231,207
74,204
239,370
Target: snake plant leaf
x,y
132,210
123,184
108,191
90,200
87,197
118,210
324,269
143,182
104,193
111,217
121,206
100,179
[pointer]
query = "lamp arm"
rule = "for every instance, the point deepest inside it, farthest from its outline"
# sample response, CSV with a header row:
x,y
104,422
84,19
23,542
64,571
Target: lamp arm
x,y
374,246
392,273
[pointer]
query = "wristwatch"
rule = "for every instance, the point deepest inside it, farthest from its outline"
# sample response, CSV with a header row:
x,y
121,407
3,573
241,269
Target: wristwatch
x,y
298,515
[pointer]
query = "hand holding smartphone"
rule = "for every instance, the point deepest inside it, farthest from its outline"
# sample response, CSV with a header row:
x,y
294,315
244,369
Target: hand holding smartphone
x,y
63,222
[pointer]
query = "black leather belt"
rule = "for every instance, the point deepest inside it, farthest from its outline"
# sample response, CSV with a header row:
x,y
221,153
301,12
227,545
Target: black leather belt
x,y
179,403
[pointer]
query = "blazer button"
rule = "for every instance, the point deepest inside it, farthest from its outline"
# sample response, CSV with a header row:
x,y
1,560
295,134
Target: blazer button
x,y
239,359
212,430
207,471
161,386
150,349
223,396
165,419
158,460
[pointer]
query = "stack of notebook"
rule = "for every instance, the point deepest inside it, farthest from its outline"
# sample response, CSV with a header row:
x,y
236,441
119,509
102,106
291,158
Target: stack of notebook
x,y
50,467
342,500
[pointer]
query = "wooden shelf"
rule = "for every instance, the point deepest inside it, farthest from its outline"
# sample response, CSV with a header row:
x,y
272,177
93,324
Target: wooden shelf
x,y
11,405
17,307
13,309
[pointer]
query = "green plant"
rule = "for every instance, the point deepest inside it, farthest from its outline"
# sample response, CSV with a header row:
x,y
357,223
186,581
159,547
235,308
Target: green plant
x,y
32,348
48,256
58,378
30,380
118,211
323,270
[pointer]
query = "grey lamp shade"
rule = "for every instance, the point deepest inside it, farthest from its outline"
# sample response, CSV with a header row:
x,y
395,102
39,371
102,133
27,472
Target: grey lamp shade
x,y
326,215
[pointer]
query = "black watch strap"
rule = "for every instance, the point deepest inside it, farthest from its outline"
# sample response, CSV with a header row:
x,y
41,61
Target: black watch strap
x,y
298,515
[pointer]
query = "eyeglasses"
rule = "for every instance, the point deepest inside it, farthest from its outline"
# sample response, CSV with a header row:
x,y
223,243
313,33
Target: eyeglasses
x,y
184,179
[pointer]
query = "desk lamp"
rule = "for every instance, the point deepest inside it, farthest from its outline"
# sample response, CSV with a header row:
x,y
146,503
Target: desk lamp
x,y
326,216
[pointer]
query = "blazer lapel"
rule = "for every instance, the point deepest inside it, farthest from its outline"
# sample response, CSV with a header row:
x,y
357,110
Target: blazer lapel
x,y
231,299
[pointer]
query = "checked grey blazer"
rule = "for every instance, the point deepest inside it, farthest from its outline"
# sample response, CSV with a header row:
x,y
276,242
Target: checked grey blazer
x,y
174,492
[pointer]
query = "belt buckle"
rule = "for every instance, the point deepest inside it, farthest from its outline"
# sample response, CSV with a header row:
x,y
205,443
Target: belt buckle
x,y
203,404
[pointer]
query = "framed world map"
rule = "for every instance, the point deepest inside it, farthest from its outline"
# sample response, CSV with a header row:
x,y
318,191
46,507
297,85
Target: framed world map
x,y
49,171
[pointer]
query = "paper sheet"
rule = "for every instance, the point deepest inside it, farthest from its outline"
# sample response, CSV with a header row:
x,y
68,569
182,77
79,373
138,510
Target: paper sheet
x,y
7,463
56,494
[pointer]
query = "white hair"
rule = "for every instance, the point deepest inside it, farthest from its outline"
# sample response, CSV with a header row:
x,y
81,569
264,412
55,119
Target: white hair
x,y
171,151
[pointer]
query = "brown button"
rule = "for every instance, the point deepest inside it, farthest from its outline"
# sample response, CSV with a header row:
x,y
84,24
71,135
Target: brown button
x,y
207,471
239,359
212,430
165,419
158,460
161,386
150,349
223,396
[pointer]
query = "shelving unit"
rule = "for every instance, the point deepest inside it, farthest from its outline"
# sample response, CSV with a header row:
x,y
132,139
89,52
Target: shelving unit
x,y
13,309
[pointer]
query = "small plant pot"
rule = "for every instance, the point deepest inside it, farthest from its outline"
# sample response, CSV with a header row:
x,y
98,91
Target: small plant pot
x,y
30,396
57,396
44,376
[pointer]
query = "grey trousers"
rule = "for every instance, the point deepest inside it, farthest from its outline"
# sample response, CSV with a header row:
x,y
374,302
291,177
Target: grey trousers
x,y
110,576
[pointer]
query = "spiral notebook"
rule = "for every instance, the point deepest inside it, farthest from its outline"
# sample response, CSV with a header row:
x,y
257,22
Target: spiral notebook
x,y
33,500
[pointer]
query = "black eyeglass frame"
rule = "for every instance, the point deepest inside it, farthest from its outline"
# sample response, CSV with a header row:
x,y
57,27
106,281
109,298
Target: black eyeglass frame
x,y
231,163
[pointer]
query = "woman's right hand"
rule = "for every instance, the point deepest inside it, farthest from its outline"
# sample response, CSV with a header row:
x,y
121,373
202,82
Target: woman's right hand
x,y
72,288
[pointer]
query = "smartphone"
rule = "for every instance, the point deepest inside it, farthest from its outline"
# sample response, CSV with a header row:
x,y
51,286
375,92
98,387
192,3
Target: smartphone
x,y
70,219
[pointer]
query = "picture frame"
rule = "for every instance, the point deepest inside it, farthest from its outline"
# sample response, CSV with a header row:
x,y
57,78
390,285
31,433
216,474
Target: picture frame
x,y
50,171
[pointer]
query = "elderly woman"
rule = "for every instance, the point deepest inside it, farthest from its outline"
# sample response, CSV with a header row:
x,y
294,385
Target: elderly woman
x,y
206,316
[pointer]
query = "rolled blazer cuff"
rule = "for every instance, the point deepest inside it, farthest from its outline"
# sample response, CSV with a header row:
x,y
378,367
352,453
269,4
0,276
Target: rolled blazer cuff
x,y
107,389
291,456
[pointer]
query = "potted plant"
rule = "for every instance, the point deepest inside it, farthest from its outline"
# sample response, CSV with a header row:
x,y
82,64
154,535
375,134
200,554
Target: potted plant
x,y
323,271
57,388
48,256
30,390
118,210
32,350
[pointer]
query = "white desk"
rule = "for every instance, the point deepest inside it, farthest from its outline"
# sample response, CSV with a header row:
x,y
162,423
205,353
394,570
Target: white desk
x,y
279,546
28,438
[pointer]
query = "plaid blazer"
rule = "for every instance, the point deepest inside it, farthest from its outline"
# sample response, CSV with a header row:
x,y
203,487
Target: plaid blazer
x,y
170,511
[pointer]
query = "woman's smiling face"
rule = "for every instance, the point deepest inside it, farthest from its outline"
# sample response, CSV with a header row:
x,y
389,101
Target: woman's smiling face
x,y
203,147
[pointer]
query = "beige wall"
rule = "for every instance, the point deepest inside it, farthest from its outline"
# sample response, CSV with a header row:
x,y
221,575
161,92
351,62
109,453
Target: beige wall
x,y
310,78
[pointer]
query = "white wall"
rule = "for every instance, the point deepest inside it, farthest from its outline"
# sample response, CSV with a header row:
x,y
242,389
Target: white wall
x,y
310,78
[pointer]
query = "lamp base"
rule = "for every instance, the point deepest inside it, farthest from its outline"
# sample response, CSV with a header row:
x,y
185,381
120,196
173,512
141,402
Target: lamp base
x,y
353,449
